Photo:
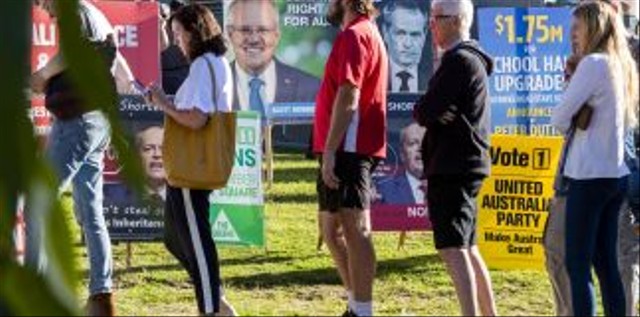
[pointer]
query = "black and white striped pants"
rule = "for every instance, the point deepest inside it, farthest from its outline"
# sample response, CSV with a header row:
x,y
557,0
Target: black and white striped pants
x,y
188,237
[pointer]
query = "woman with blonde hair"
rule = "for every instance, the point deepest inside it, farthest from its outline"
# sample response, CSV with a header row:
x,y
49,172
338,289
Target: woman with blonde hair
x,y
606,78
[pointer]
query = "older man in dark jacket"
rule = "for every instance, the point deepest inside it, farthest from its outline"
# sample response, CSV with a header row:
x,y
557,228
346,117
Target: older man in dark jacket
x,y
455,110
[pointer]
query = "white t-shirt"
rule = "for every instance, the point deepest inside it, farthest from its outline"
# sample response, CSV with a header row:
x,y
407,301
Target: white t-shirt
x,y
96,27
94,23
197,89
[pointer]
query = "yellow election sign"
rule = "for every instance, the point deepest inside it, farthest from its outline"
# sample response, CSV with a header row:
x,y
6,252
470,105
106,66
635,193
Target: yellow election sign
x,y
514,201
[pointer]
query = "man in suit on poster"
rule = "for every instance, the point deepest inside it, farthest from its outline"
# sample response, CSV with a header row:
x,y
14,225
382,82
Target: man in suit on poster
x,y
148,137
406,188
260,78
404,30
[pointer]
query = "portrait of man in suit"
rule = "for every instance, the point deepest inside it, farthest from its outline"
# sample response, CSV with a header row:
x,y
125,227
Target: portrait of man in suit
x,y
404,29
149,143
406,187
253,28
148,138
121,202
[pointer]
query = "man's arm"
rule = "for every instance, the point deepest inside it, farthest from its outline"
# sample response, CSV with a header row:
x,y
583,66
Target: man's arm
x,y
39,79
351,75
345,105
122,74
438,103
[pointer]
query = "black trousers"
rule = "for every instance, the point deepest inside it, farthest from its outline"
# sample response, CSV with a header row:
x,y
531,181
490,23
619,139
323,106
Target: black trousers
x,y
188,237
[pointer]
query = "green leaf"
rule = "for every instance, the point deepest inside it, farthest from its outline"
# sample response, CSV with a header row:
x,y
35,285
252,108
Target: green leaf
x,y
19,167
26,293
63,273
23,292
17,144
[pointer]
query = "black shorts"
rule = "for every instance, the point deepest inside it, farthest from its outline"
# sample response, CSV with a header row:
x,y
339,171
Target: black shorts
x,y
355,191
453,209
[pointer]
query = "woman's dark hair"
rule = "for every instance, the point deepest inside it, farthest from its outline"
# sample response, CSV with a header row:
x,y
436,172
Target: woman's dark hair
x,y
206,33
175,5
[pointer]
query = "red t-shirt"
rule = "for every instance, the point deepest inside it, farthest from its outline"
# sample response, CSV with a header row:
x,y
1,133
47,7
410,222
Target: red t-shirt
x,y
358,57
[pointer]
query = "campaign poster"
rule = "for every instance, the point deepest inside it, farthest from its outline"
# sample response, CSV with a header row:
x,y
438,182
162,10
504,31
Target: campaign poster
x,y
514,201
135,28
237,211
129,216
399,190
530,47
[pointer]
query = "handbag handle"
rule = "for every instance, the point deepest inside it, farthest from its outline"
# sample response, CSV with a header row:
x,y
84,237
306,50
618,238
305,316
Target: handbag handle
x,y
213,80
565,149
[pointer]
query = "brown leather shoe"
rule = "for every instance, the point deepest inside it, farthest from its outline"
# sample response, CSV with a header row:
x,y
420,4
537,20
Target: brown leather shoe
x,y
100,305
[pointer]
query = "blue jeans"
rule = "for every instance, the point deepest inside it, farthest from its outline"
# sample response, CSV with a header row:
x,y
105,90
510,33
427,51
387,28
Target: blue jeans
x,y
593,211
631,159
76,152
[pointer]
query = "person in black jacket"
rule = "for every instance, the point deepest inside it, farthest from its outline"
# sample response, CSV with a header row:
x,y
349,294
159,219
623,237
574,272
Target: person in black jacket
x,y
455,110
175,67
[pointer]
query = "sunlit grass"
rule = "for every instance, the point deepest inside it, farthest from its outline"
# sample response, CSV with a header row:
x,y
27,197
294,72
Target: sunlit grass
x,y
290,277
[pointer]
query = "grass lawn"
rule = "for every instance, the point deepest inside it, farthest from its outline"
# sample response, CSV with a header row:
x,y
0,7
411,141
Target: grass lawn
x,y
290,277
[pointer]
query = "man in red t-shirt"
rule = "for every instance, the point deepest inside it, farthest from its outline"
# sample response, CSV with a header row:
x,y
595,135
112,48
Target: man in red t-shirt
x,y
350,133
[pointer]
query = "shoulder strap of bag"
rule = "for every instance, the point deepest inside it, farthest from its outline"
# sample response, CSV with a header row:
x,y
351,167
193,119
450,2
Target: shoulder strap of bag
x,y
565,149
213,81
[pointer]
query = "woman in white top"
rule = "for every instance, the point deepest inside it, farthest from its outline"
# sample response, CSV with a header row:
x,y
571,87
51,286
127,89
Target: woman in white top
x,y
187,230
607,80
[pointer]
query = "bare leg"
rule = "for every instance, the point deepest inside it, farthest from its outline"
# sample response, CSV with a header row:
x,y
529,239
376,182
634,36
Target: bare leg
x,y
459,266
486,299
362,258
331,233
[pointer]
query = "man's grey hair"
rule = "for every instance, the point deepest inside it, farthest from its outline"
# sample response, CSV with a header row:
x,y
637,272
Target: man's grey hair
x,y
461,8
234,4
